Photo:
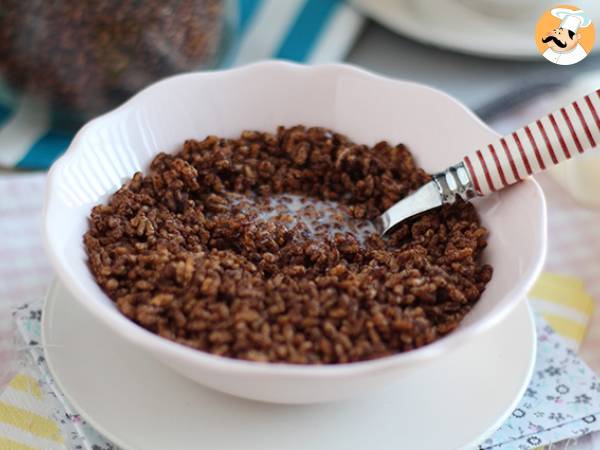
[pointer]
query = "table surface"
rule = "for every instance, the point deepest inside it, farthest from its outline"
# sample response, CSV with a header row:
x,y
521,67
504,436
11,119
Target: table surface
x,y
474,81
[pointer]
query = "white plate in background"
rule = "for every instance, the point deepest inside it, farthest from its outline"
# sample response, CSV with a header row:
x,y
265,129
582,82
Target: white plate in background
x,y
457,25
138,403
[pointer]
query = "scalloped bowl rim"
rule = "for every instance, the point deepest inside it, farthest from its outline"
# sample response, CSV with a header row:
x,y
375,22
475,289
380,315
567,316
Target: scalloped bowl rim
x,y
142,337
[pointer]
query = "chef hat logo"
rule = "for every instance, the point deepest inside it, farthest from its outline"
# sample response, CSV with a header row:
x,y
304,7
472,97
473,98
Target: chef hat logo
x,y
565,35
571,20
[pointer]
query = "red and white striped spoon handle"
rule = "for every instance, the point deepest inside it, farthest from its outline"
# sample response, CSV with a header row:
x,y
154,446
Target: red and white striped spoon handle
x,y
547,141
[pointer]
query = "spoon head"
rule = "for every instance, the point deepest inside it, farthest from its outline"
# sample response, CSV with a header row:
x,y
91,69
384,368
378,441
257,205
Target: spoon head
x,y
423,199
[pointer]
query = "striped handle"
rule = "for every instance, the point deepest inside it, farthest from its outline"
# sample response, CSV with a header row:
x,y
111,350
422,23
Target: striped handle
x,y
554,138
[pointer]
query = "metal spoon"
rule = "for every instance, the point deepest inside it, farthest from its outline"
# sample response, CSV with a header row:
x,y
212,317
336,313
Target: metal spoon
x,y
548,141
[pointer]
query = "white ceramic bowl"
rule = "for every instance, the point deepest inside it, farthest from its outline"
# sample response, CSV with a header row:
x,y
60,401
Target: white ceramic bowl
x,y
366,107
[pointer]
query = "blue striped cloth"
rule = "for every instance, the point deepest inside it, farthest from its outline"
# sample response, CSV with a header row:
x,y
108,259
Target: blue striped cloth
x,y
311,31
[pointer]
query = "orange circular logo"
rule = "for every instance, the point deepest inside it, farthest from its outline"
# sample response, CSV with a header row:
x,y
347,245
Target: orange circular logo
x,y
565,35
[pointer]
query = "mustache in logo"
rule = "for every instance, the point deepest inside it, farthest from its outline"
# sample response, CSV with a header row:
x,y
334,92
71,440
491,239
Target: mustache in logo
x,y
555,40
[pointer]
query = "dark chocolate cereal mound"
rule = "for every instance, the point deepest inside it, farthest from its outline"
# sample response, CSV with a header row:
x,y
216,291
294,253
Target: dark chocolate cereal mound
x,y
261,248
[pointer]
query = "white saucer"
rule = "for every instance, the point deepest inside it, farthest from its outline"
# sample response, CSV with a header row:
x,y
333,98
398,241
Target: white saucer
x,y
454,25
138,403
